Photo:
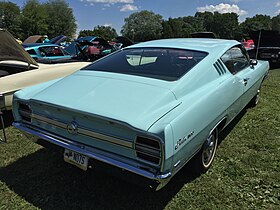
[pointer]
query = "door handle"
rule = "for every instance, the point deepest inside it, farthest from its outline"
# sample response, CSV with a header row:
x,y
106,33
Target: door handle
x,y
245,81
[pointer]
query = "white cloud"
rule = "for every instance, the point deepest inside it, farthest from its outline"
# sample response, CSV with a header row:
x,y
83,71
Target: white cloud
x,y
128,7
277,4
108,24
222,8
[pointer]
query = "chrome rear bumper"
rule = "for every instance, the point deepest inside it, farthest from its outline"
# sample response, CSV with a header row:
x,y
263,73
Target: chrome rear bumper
x,y
36,134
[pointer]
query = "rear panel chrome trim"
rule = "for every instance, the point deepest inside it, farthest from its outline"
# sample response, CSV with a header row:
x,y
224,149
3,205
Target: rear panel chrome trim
x,y
161,178
84,131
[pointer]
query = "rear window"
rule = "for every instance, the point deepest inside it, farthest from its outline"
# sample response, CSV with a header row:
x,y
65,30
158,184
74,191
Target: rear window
x,y
158,63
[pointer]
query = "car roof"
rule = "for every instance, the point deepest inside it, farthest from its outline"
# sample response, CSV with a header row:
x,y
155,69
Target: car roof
x,y
198,44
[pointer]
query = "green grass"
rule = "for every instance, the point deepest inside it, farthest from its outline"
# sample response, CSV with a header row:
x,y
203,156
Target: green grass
x,y
245,173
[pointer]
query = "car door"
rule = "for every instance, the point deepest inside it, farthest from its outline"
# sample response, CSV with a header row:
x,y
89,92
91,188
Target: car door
x,y
235,85
245,74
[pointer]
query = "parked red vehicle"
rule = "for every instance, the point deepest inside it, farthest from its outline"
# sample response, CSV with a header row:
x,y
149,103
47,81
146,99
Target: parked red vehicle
x,y
248,44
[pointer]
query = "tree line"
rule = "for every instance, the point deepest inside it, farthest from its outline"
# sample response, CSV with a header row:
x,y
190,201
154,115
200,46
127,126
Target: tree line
x,y
145,25
55,17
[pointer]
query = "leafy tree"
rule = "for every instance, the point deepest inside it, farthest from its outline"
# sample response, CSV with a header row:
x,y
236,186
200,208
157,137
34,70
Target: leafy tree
x,y
173,28
60,19
193,24
83,33
106,32
181,27
255,23
10,17
207,19
275,22
142,26
34,19
223,25
166,29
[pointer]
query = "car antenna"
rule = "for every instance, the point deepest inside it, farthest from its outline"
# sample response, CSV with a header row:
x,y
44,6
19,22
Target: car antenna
x,y
259,39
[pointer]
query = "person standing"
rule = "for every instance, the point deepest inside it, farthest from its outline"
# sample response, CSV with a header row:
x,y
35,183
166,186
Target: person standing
x,y
45,39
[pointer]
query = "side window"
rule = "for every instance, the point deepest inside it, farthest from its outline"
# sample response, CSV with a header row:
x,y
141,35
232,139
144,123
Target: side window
x,y
227,60
240,60
235,60
31,52
50,51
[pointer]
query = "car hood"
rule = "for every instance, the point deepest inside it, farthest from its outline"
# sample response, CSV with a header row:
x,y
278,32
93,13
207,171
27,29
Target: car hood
x,y
268,38
133,102
124,40
32,39
58,39
10,50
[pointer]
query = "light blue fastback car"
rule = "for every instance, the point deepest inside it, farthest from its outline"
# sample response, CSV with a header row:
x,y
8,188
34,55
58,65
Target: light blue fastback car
x,y
147,109
46,51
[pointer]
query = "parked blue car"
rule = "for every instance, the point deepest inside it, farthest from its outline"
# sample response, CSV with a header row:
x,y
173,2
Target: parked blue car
x,y
46,51
147,109
90,47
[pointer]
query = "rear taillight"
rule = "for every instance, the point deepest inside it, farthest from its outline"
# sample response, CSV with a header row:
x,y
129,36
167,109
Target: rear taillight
x,y
148,150
25,112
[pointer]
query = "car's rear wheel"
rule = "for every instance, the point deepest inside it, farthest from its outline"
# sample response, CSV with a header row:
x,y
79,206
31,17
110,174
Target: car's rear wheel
x,y
205,157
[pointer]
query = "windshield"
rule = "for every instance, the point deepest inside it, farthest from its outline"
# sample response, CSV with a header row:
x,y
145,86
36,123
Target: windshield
x,y
159,63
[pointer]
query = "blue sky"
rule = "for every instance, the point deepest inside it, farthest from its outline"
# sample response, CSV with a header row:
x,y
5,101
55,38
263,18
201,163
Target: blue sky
x,y
90,13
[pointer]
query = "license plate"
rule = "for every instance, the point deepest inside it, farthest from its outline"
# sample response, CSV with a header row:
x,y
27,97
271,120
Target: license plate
x,y
76,159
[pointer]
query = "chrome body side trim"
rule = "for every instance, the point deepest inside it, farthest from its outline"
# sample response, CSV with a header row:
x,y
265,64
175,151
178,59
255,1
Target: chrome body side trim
x,y
105,138
49,121
84,131
90,152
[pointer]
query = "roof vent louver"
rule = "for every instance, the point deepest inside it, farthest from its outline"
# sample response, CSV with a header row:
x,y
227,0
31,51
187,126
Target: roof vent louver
x,y
220,67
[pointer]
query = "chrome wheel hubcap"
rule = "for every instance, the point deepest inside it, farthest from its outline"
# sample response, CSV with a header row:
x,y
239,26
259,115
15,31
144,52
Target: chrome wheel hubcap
x,y
209,151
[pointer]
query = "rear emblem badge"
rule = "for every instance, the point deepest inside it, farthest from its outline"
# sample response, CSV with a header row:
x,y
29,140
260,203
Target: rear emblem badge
x,y
72,127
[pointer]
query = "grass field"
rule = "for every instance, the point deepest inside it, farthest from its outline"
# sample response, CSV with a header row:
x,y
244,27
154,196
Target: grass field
x,y
245,173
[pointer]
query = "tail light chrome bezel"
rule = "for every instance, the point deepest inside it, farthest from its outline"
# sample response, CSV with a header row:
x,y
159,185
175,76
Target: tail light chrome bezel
x,y
25,112
148,150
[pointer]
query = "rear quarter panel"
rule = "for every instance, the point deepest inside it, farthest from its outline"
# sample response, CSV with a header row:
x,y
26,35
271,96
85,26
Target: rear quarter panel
x,y
204,104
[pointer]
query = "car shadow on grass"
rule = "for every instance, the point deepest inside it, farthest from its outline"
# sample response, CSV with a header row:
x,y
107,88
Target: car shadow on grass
x,y
47,182
231,126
